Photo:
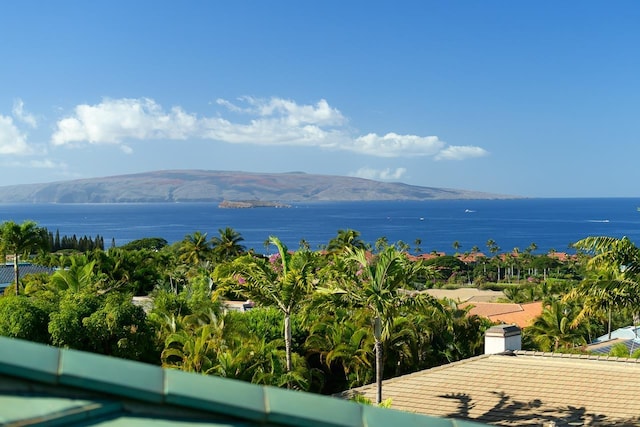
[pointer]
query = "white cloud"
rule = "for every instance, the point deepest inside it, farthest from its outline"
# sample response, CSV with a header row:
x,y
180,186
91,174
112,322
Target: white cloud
x,y
35,164
387,174
232,107
289,112
20,114
267,132
454,152
273,121
394,145
12,141
47,164
113,121
295,115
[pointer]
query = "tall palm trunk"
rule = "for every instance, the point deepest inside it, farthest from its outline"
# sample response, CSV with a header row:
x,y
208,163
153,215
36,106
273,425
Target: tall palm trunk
x,y
378,349
16,273
287,340
377,332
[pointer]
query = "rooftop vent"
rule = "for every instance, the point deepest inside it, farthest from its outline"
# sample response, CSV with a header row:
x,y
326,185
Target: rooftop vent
x,y
501,338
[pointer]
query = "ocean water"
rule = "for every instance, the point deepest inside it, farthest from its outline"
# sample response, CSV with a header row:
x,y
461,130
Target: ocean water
x,y
552,224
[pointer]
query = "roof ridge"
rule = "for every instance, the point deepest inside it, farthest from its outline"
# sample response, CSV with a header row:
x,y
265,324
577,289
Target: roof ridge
x,y
531,353
522,353
420,372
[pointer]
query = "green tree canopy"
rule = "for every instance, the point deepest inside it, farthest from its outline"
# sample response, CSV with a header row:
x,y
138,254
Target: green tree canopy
x,y
346,239
152,243
379,286
226,245
108,324
21,317
284,280
21,240
195,249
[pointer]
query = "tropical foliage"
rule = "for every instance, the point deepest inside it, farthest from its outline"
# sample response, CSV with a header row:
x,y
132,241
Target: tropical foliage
x,y
283,280
323,321
21,240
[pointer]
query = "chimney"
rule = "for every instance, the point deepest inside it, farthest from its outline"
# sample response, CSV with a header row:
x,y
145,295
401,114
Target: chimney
x,y
501,338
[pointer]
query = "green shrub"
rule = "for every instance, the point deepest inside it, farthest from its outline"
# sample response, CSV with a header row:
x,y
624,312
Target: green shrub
x,y
21,317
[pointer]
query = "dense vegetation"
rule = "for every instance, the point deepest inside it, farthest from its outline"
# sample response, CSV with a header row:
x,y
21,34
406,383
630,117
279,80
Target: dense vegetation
x,y
82,244
321,321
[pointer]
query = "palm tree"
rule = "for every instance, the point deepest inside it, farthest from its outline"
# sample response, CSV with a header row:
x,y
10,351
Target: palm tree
x,y
379,290
460,334
381,243
304,244
527,257
492,246
516,261
611,280
612,251
345,239
341,339
417,244
603,289
402,246
80,275
190,351
401,349
194,248
265,366
227,244
494,249
195,346
21,239
555,328
284,280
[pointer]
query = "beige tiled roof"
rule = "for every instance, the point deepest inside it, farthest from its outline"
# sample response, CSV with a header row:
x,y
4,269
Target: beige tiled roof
x,y
525,389
466,294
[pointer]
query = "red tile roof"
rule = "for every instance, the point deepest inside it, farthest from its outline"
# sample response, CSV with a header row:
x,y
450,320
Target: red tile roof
x,y
522,315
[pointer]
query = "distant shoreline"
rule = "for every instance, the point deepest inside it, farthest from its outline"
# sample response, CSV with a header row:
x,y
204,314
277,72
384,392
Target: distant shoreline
x,y
215,186
248,204
550,223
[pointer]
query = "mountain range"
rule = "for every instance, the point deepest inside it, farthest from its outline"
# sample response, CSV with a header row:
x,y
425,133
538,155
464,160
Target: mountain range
x,y
217,186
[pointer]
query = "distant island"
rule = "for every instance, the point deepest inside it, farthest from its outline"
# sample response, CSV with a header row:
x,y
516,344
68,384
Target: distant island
x,y
181,186
246,204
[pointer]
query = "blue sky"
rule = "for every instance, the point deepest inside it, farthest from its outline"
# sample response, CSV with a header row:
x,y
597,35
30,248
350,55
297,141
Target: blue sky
x,y
529,98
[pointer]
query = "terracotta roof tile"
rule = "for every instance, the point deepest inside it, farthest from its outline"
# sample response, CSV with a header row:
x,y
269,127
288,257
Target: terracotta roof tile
x,y
487,309
522,315
522,318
